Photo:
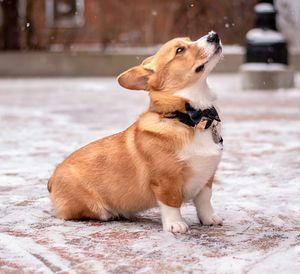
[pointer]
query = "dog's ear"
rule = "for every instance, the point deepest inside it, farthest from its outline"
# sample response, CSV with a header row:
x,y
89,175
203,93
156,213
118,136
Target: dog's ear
x,y
148,62
135,78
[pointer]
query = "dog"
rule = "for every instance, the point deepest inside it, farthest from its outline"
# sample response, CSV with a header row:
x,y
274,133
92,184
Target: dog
x,y
167,157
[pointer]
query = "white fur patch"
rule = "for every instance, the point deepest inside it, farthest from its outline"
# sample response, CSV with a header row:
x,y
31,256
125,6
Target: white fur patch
x,y
199,94
203,155
171,219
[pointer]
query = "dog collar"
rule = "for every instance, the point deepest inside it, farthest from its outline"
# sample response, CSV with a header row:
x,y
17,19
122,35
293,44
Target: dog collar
x,y
192,117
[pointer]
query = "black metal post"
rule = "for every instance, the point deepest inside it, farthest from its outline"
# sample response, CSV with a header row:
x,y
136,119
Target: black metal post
x,y
264,44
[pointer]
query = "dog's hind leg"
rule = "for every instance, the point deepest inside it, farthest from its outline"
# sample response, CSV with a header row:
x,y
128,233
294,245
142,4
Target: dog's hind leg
x,y
73,201
73,209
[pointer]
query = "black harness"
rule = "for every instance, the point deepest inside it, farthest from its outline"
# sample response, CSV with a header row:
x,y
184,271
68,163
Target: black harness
x,y
192,117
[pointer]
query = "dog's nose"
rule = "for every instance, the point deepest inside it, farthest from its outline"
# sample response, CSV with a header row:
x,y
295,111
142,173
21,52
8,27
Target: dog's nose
x,y
213,37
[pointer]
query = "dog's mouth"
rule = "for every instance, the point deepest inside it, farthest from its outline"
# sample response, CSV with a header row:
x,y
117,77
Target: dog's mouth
x,y
217,51
200,68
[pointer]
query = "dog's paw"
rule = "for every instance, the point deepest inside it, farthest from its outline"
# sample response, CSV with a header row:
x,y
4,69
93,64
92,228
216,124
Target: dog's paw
x,y
176,226
212,219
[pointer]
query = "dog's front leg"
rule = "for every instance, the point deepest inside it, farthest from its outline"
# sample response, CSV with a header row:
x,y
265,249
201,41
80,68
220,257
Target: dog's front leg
x,y
204,208
169,196
171,219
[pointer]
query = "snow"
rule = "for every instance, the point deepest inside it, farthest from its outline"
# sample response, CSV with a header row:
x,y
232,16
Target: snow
x,y
227,49
265,67
260,36
264,8
256,192
233,49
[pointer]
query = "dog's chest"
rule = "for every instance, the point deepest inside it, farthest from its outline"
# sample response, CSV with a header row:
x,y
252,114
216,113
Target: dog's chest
x,y
203,156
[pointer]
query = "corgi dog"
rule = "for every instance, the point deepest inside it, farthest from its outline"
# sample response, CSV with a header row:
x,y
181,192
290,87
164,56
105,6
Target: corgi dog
x,y
167,157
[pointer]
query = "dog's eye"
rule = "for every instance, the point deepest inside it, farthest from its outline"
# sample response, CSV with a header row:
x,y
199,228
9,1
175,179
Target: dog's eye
x,y
180,50
200,68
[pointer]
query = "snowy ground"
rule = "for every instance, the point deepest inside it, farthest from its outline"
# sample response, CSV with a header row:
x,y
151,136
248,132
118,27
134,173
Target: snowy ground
x,y
257,190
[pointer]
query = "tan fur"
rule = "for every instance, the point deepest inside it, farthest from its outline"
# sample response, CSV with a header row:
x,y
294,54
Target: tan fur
x,y
123,173
132,170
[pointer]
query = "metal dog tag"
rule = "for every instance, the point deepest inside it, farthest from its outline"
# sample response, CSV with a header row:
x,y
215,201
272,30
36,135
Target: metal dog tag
x,y
216,135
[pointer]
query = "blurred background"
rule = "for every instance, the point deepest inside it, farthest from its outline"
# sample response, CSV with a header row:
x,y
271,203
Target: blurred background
x,y
95,31
98,24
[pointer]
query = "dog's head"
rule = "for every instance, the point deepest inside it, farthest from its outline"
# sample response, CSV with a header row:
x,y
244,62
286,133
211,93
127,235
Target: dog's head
x,y
178,64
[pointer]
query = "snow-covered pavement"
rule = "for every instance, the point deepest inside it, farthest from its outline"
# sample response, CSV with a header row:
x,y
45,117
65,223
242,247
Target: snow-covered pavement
x,y
257,190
